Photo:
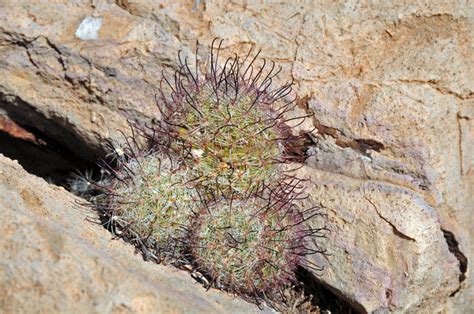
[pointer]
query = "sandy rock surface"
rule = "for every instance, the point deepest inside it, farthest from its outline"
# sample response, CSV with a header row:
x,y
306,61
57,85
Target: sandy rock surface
x,y
55,258
391,86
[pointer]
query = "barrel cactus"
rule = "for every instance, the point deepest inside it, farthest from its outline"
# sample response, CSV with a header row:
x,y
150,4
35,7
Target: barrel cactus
x,y
229,123
251,245
151,200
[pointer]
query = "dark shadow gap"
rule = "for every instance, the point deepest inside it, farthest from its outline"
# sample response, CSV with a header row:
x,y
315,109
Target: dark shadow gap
x,y
44,157
58,130
325,297
453,246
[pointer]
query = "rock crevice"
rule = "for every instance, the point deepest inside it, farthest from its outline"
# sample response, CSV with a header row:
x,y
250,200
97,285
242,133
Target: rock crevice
x,y
390,158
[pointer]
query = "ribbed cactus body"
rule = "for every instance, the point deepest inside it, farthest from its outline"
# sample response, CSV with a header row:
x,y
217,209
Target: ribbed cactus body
x,y
211,189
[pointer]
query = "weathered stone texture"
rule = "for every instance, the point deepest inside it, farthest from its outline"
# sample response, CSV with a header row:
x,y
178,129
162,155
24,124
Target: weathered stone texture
x,y
53,258
391,86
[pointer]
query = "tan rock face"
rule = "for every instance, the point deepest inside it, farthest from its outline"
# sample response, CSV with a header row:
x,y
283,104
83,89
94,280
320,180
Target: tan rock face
x,y
55,258
391,86
387,249
80,90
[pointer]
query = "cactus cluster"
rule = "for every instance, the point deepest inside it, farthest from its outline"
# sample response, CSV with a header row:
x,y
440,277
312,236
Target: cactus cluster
x,y
211,190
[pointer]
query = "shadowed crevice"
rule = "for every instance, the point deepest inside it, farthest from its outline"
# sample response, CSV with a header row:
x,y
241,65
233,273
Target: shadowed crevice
x,y
326,297
39,143
57,129
453,246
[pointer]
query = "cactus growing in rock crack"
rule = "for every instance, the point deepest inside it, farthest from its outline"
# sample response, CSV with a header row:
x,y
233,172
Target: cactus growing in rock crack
x,y
252,245
211,189
229,122
150,200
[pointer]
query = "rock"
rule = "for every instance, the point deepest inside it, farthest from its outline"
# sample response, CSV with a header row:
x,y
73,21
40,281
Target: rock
x,y
391,86
383,243
89,28
81,92
56,257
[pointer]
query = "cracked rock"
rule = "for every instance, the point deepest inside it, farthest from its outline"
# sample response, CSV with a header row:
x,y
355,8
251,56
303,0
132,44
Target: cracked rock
x,y
56,257
390,84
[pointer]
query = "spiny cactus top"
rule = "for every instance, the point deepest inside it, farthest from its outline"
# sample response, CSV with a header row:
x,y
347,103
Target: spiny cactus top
x,y
229,122
211,190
